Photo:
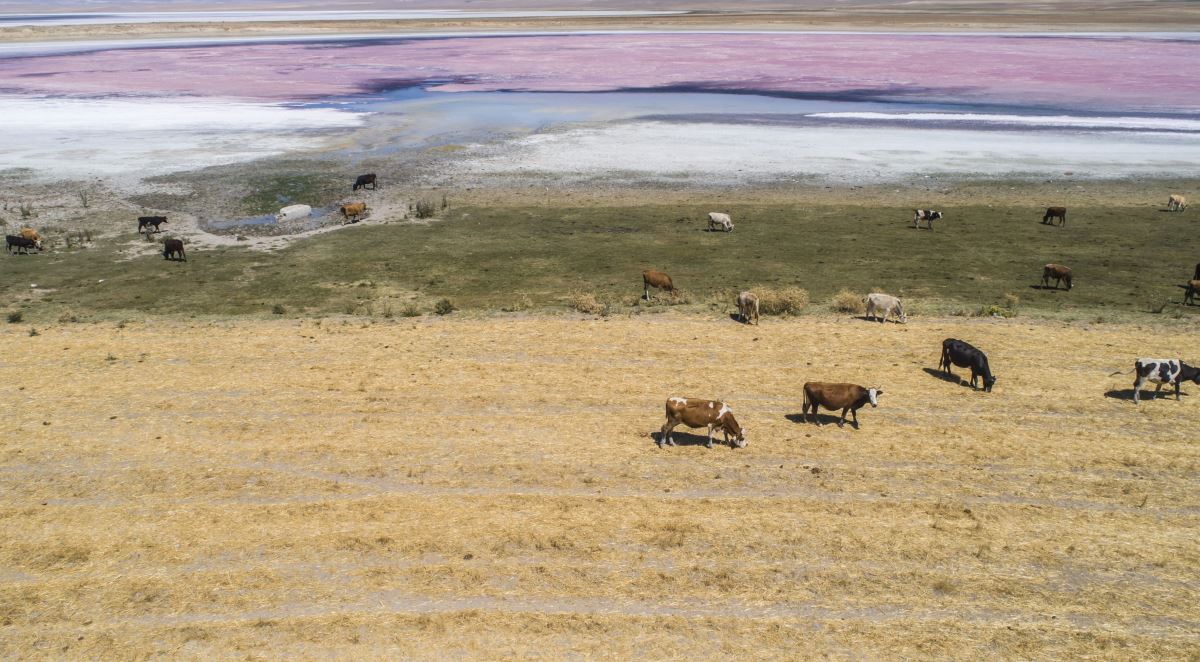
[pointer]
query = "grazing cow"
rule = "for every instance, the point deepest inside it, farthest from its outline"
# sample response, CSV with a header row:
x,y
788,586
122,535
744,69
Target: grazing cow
x,y
964,355
354,209
293,212
719,221
1058,272
32,235
363,180
147,221
173,250
886,304
697,413
847,397
1193,287
22,244
1160,371
1176,202
747,303
652,278
927,215
1055,212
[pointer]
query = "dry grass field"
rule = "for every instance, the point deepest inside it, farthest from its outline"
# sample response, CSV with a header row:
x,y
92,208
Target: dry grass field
x,y
489,488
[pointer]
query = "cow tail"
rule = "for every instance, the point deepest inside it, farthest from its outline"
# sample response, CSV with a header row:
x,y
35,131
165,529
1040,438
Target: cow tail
x,y
1120,372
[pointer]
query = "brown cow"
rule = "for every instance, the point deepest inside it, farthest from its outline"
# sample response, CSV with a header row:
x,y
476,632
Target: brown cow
x,y
697,413
32,235
747,303
1193,287
652,278
847,397
1055,212
173,250
354,209
1058,272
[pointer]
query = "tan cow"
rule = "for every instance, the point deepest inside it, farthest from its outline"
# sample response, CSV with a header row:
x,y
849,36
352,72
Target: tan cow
x,y
747,303
1058,272
847,397
658,279
880,306
697,413
32,235
354,209
1176,202
719,221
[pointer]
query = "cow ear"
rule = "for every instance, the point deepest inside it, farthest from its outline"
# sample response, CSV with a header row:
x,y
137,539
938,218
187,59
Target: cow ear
x,y
878,390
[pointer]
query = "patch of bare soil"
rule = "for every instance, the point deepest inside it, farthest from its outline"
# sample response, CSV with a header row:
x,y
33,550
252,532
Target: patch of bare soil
x,y
479,488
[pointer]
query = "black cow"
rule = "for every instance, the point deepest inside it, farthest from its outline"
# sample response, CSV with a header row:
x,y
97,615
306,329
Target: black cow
x,y
1055,212
147,221
173,250
1161,371
964,355
363,180
23,244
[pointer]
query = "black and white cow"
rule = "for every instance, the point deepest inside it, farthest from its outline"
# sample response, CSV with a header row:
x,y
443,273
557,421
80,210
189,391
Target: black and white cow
x,y
1161,371
927,215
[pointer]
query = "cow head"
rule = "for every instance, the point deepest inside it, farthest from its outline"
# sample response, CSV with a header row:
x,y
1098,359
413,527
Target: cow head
x,y
873,395
900,314
37,243
987,383
739,439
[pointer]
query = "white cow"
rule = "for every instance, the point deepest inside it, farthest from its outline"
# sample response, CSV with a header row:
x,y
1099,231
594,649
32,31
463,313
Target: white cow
x,y
747,303
293,212
885,304
717,220
1176,202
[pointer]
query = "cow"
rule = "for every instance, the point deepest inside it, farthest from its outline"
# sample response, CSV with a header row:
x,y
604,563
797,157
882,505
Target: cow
x,y
354,209
22,244
1055,212
652,278
927,215
293,212
144,222
1059,273
964,355
1176,202
697,413
747,303
173,250
847,397
32,235
886,304
1193,287
1160,371
719,221
363,180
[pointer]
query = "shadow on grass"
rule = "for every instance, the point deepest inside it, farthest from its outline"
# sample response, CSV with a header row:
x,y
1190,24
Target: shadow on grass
x,y
1147,394
1052,288
689,439
891,320
942,375
824,419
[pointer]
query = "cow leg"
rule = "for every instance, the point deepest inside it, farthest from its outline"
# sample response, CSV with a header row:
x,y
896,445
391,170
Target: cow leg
x,y
1157,390
1137,390
710,431
646,291
854,412
1177,389
842,420
664,435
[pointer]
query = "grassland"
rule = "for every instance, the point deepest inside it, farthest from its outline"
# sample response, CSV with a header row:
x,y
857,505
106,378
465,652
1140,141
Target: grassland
x,y
488,488
1128,259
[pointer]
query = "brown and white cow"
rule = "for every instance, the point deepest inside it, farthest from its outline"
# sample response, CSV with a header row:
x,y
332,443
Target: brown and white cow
x,y
747,303
1055,212
1058,272
697,413
32,235
1176,202
354,209
658,279
847,397
880,306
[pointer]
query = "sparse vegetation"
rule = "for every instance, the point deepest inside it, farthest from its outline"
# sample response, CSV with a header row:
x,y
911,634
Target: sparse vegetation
x,y
33,332
278,309
423,209
15,317
26,210
846,301
782,301
444,307
410,310
586,302
85,199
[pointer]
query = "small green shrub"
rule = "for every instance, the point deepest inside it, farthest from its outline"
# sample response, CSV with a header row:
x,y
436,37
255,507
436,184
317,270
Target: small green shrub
x,y
15,317
444,307
278,309
33,332
410,310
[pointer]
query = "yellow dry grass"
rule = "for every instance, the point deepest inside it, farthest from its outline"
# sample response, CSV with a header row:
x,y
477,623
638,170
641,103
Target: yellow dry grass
x,y
487,488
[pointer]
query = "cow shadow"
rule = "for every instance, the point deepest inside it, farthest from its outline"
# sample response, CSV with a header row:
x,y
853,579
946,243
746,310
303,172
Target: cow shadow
x,y
1047,287
826,419
944,376
738,318
1126,394
688,439
875,320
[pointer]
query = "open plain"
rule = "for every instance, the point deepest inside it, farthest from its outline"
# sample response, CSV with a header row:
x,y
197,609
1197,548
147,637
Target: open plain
x,y
490,487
